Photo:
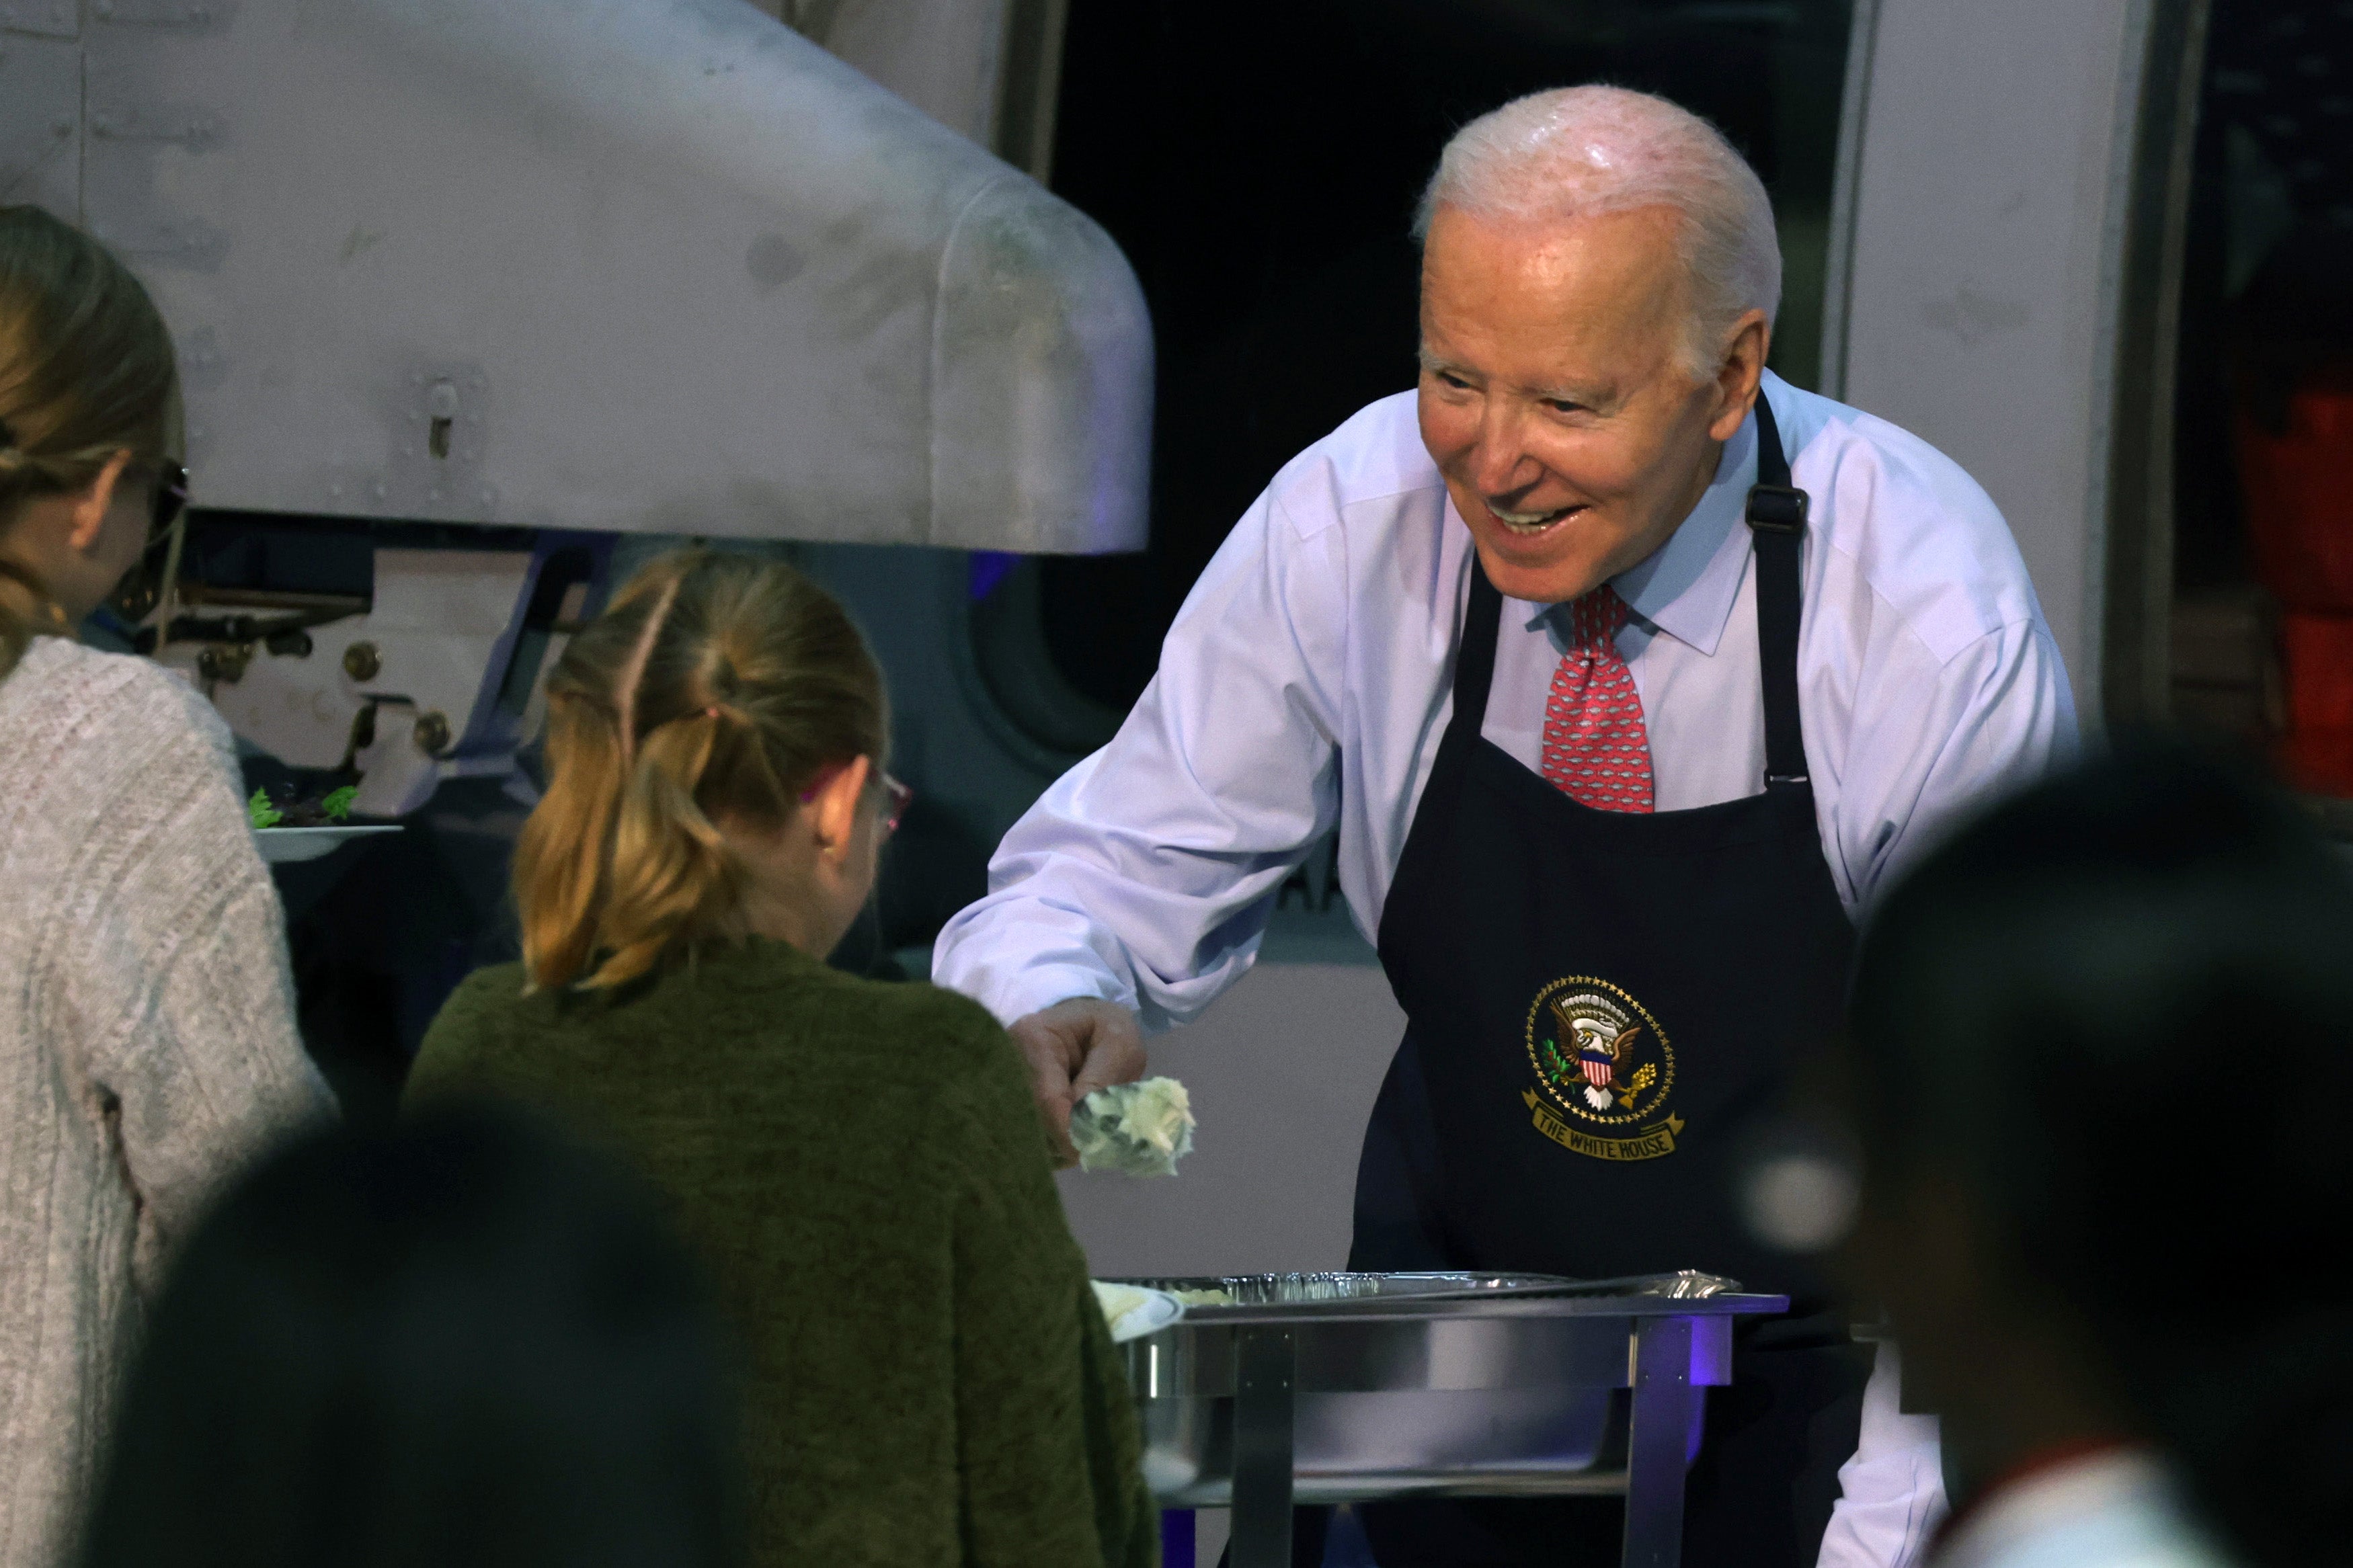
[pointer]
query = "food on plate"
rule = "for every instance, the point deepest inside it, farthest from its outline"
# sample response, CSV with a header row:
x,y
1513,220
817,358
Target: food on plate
x,y
1142,1129
330,810
1118,1300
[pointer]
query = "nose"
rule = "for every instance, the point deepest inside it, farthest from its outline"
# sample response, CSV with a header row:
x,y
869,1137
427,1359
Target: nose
x,y
1499,463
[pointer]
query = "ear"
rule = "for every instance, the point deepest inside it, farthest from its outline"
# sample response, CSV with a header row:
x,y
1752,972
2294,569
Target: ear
x,y
89,512
833,812
1740,374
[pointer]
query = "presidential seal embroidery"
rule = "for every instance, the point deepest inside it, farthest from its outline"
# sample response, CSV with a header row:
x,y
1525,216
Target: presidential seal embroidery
x,y
1604,1069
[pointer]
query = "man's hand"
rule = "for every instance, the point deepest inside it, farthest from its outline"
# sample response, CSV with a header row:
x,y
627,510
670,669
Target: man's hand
x,y
1074,1048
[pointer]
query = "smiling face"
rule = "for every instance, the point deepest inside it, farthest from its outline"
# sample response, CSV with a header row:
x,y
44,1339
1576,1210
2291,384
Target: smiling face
x,y
1554,398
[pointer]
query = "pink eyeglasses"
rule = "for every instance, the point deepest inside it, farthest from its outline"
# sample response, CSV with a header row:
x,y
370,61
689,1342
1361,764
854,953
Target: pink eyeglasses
x,y
896,796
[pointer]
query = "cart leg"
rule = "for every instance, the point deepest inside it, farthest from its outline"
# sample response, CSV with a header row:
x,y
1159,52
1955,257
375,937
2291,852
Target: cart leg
x,y
1658,1446
1262,1518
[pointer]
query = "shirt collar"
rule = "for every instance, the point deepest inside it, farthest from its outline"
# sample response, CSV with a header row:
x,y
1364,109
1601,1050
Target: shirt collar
x,y
1685,587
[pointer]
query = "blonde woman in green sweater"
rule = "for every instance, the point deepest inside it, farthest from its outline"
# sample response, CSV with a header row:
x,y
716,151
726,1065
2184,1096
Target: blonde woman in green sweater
x,y
929,1381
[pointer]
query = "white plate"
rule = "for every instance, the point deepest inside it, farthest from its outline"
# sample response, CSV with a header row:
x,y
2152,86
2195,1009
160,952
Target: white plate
x,y
283,846
1154,1312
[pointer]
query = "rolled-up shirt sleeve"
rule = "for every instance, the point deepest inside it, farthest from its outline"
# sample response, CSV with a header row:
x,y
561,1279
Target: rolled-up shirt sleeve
x,y
1144,875
1891,1490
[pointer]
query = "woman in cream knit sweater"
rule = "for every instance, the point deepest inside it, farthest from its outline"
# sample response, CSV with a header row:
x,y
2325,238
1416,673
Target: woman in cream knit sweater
x,y
147,1046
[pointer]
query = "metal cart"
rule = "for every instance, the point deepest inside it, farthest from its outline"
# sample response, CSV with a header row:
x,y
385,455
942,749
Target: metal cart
x,y
1330,1388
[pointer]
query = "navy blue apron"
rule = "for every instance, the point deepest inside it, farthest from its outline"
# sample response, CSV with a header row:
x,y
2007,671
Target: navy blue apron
x,y
1603,1013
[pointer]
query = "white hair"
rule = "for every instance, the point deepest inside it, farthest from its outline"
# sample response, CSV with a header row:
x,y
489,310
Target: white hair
x,y
1577,151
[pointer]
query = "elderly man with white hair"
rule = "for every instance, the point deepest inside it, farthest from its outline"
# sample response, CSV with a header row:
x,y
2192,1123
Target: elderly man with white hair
x,y
1630,673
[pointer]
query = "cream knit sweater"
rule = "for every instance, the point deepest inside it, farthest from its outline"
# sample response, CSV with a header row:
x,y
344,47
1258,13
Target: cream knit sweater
x,y
147,1044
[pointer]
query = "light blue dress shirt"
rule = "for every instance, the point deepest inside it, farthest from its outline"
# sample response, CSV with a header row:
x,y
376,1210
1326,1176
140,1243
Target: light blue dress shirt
x,y
1306,681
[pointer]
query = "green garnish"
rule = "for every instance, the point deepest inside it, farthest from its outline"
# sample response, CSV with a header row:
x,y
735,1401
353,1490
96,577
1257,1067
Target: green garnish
x,y
260,812
337,806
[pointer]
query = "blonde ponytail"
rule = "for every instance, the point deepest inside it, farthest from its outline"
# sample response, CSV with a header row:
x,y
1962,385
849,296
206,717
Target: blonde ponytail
x,y
86,372
671,870
714,686
564,852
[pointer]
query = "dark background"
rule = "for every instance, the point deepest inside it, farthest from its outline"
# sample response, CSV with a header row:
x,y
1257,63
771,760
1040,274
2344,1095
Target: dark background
x,y
1260,168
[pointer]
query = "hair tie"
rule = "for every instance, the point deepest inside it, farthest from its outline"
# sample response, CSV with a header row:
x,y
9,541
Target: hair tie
x,y
711,711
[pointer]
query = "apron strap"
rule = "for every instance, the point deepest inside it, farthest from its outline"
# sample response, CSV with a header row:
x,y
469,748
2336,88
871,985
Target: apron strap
x,y
1474,656
1776,523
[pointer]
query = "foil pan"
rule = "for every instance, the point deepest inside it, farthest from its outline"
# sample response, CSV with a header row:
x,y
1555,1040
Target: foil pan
x,y
1256,1294
1454,1384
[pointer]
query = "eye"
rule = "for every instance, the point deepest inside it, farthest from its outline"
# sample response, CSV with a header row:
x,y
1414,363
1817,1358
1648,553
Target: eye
x,y
1563,405
1448,378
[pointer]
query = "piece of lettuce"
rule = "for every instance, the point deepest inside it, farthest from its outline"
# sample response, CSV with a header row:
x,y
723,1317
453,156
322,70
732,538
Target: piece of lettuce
x,y
1142,1129
260,812
337,804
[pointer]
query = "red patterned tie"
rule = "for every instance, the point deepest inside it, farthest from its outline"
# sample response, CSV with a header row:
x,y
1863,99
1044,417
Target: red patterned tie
x,y
1595,747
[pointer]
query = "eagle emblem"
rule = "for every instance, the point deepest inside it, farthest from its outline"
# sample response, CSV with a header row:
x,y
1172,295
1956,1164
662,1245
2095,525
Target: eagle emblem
x,y
1599,1057
1599,1053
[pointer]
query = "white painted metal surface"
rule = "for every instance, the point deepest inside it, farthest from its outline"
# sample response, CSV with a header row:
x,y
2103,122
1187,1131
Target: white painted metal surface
x,y
1975,247
657,266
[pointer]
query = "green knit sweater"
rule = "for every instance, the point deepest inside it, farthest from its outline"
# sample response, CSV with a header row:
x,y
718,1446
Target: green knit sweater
x,y
862,1168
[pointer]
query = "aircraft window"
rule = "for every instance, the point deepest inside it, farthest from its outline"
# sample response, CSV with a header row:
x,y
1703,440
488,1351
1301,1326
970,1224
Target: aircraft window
x,y
2261,635
1261,185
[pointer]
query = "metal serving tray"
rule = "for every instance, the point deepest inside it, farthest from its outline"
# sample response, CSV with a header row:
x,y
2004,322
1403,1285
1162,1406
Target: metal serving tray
x,y
1328,1388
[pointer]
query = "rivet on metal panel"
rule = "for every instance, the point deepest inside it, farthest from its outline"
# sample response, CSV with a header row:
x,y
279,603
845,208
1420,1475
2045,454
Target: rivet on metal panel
x,y
432,733
362,661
